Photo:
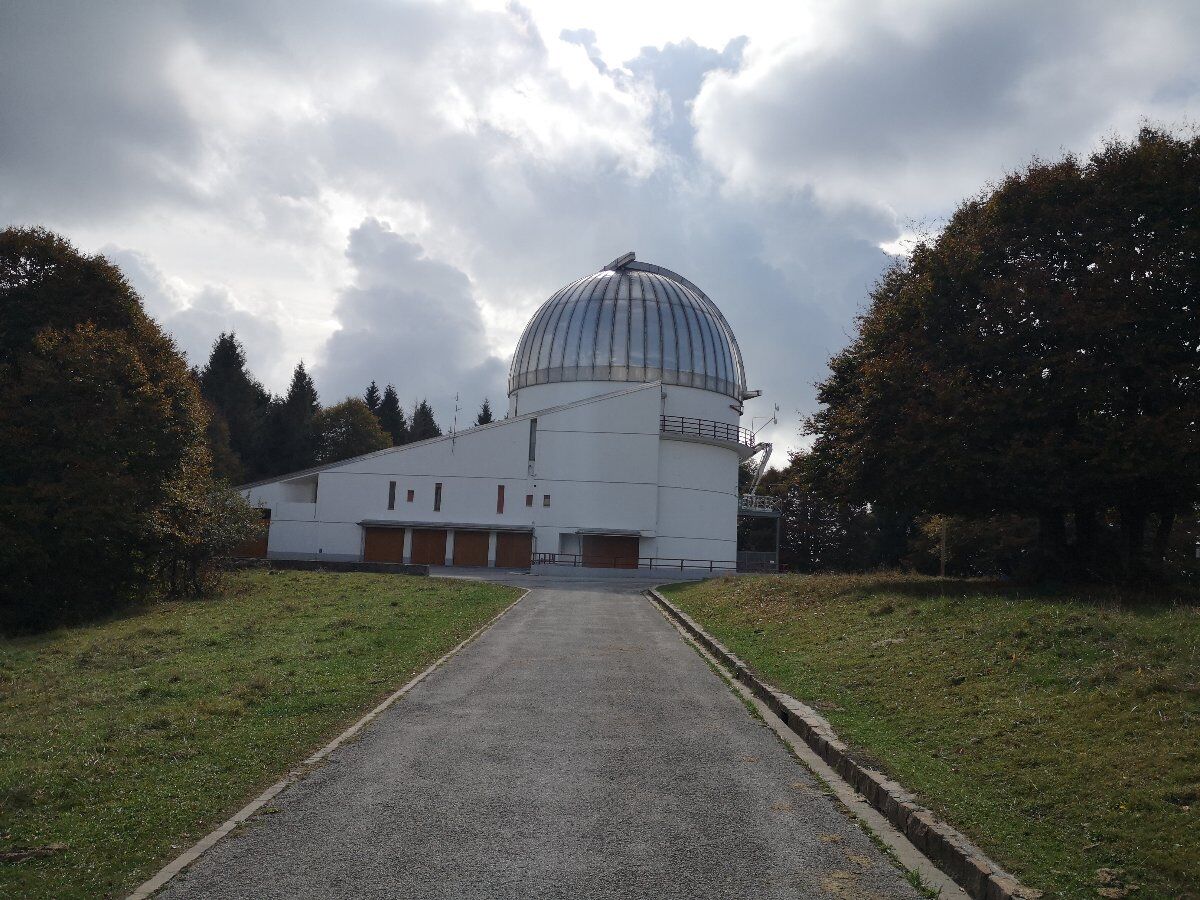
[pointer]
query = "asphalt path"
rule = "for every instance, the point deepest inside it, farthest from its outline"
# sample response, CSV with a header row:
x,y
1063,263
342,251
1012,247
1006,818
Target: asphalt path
x,y
578,748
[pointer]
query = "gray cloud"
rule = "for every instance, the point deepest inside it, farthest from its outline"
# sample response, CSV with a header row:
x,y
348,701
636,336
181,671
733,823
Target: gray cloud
x,y
411,321
253,151
919,111
195,318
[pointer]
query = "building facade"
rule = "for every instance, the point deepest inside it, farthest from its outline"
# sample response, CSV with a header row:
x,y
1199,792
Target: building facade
x,y
621,443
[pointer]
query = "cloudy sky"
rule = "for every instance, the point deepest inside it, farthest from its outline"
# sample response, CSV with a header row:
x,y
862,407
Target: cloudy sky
x,y
388,190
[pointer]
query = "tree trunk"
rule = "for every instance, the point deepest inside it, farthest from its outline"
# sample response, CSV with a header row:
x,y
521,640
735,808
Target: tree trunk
x,y
1162,535
1052,531
1087,530
1133,540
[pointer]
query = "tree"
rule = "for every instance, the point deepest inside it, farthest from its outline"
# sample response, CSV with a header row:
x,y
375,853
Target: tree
x,y
292,442
226,464
240,399
347,430
1037,359
391,417
371,397
103,434
423,426
485,413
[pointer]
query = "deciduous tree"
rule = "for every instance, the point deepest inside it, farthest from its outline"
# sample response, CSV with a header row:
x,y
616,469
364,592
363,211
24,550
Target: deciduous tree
x,y
1039,358
349,429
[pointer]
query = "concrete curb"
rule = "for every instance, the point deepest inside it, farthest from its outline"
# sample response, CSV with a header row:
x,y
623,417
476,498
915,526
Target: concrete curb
x,y
206,843
947,848
325,565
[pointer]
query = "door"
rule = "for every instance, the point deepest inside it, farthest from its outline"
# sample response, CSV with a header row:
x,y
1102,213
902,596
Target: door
x,y
384,545
514,549
429,546
257,545
470,548
610,551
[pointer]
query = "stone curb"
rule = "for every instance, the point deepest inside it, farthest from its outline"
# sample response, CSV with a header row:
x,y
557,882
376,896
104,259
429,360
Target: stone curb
x,y
159,880
947,848
326,565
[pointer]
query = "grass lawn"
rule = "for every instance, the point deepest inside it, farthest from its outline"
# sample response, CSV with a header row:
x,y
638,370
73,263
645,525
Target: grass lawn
x,y
128,739
1060,731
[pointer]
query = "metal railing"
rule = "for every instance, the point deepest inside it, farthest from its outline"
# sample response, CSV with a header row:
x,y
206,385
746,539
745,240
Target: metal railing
x,y
599,561
760,502
706,428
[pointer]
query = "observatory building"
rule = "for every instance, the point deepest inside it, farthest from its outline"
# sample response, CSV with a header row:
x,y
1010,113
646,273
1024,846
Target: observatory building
x,y
621,446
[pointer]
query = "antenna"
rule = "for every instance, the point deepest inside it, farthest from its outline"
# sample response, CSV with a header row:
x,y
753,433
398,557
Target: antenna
x,y
774,420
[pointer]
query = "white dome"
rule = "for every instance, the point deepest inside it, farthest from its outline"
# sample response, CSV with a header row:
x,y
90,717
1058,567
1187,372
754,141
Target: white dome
x,y
630,321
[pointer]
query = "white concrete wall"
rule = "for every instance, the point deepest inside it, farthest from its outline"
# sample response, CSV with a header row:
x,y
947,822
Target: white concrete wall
x,y
697,502
598,461
679,400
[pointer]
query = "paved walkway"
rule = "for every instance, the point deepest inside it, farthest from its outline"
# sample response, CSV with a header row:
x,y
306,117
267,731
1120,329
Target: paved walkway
x,y
577,749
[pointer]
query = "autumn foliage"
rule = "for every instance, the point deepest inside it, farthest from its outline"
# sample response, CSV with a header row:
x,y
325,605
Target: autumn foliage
x,y
105,474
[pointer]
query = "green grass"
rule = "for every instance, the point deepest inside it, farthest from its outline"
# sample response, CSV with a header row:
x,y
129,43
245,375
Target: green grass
x,y
1060,731
128,739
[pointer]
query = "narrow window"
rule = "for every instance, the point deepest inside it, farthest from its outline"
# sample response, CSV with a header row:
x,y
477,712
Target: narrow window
x,y
391,495
545,499
532,439
529,499
437,497
499,499
411,495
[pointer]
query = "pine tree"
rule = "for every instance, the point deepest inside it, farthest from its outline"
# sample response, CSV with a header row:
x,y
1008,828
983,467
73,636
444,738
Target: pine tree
x,y
372,398
391,417
485,413
241,400
423,425
292,440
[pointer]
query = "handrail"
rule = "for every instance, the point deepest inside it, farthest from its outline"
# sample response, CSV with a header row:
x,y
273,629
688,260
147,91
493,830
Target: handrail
x,y
706,428
630,562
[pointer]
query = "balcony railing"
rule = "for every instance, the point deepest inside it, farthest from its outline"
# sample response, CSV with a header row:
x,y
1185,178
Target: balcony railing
x,y
707,428
759,502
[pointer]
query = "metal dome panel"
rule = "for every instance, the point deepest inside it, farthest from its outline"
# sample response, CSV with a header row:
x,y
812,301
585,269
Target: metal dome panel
x,y
630,321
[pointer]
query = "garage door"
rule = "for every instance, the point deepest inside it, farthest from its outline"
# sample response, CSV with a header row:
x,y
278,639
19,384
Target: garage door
x,y
514,550
429,546
384,545
257,545
470,548
607,551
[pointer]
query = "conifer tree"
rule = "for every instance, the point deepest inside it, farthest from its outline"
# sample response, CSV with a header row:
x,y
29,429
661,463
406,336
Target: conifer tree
x,y
485,413
239,398
293,438
371,397
391,417
423,425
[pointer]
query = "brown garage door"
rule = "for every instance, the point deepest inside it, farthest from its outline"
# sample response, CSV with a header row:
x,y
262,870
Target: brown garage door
x,y
470,548
384,545
429,546
257,545
514,550
608,551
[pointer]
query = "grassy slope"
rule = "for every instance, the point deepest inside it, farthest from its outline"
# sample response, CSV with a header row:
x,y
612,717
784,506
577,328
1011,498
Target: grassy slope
x,y
127,739
1062,734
